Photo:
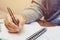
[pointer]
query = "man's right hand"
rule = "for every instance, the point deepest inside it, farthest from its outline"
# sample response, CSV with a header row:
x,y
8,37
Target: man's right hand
x,y
21,19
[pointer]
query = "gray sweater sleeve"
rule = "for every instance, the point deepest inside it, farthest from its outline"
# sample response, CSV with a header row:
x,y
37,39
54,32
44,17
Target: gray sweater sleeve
x,y
32,13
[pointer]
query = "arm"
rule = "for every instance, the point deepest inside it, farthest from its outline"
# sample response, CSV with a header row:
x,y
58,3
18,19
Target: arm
x,y
32,13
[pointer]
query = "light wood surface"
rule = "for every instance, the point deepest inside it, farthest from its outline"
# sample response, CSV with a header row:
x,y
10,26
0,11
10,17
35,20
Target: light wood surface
x,y
16,6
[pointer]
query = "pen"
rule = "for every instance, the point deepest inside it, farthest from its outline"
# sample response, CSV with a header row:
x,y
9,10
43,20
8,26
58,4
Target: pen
x,y
37,34
12,16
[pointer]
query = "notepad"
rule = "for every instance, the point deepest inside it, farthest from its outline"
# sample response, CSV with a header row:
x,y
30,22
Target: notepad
x,y
27,31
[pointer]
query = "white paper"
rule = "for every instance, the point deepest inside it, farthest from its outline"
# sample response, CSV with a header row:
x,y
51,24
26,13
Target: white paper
x,y
27,31
52,33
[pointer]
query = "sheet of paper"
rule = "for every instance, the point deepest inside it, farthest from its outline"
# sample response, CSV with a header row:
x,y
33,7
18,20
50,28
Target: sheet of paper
x,y
53,33
27,31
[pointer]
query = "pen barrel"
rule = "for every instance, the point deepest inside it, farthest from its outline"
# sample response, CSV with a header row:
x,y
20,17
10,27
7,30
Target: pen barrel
x,y
37,34
12,16
15,22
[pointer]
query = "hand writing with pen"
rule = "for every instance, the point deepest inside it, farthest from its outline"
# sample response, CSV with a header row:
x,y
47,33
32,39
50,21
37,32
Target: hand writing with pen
x,y
11,26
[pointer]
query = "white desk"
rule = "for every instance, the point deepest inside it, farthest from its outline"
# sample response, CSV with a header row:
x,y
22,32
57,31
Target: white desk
x,y
51,34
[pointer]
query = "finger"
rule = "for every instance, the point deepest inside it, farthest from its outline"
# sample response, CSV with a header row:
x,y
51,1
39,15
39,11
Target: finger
x,y
10,29
17,20
6,24
12,25
9,24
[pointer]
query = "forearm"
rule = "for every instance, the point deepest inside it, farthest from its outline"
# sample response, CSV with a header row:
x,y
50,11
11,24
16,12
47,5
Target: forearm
x,y
32,13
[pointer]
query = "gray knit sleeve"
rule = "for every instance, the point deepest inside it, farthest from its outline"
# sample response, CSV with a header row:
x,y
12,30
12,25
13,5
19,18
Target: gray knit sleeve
x,y
32,13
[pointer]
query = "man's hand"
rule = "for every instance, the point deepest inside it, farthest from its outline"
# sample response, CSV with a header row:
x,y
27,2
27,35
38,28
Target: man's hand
x,y
11,26
46,24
